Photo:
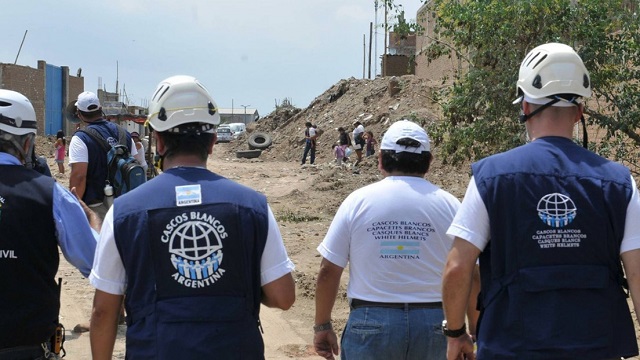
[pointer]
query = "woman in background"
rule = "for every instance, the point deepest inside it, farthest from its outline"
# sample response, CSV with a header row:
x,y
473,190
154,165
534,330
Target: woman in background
x,y
61,149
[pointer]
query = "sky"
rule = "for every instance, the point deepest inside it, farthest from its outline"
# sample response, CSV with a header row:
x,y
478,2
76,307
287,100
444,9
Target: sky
x,y
246,52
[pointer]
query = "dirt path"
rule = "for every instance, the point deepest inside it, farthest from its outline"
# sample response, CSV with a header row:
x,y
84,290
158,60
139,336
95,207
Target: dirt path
x,y
288,334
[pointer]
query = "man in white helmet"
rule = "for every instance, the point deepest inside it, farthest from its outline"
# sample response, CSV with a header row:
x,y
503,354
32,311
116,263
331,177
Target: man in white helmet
x,y
195,253
36,216
550,222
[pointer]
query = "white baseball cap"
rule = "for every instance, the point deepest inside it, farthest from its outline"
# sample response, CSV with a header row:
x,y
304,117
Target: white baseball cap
x,y
88,102
405,129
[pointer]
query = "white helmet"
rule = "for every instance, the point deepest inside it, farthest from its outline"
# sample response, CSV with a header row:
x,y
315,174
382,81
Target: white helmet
x,y
553,69
181,100
17,116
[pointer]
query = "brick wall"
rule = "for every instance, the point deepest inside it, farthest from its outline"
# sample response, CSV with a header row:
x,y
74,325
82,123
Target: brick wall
x,y
397,65
442,67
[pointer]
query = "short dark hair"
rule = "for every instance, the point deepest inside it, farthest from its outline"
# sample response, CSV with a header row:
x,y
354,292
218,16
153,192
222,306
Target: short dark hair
x,y
186,144
91,114
406,162
308,124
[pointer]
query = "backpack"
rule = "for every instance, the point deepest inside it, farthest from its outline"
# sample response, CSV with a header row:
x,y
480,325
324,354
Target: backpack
x,y
124,172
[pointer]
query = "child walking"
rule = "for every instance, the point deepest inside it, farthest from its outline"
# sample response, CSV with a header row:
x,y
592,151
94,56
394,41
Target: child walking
x,y
371,143
339,153
61,149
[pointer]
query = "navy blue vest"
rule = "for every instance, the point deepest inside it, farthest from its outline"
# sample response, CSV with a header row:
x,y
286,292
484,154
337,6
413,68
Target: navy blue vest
x,y
551,271
193,271
28,257
97,166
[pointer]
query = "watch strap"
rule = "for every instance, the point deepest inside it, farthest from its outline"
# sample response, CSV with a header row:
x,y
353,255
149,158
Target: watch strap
x,y
454,333
322,327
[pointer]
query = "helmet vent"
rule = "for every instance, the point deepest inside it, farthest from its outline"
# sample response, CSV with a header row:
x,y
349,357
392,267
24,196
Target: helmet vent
x,y
539,61
161,91
585,81
4,103
537,82
162,115
531,59
212,108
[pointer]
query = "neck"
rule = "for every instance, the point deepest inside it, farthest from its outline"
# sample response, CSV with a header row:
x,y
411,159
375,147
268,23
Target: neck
x,y
183,161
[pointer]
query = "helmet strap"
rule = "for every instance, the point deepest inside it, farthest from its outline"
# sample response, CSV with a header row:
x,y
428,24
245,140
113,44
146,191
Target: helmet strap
x,y
524,117
585,136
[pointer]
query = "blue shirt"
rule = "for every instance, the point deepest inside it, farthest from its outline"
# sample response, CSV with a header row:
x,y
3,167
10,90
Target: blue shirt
x,y
72,228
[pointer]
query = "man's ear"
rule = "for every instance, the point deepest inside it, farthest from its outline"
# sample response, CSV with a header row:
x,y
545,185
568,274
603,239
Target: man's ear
x,y
159,143
214,139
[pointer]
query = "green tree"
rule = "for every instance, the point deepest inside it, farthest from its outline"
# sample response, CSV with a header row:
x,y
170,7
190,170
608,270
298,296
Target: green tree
x,y
492,36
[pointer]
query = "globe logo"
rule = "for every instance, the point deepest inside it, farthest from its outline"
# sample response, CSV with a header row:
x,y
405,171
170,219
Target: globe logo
x,y
556,210
196,250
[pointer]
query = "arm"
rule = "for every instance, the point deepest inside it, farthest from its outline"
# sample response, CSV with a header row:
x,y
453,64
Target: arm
x,y
326,342
75,235
78,177
94,220
472,309
456,289
104,324
631,262
280,293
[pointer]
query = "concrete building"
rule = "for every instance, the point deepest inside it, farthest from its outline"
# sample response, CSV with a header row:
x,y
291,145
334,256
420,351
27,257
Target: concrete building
x,y
49,87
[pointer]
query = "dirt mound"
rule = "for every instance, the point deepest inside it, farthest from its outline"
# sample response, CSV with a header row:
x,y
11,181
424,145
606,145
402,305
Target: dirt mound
x,y
375,103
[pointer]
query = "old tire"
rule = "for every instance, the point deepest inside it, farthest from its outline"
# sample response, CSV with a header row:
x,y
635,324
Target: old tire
x,y
248,154
259,140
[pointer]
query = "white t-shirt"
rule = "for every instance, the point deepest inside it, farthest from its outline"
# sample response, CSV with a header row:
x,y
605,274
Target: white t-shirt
x,y
472,221
78,152
392,235
358,130
108,273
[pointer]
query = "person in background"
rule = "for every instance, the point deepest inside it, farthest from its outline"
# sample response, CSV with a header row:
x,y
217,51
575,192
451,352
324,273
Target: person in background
x,y
358,140
550,222
87,159
371,143
392,235
140,156
60,147
30,256
213,247
344,141
338,153
309,144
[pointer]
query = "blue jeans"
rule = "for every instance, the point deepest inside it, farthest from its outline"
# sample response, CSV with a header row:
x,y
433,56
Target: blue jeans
x,y
309,147
386,333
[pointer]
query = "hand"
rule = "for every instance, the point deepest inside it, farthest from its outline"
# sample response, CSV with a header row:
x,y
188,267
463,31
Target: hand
x,y
326,344
460,348
92,217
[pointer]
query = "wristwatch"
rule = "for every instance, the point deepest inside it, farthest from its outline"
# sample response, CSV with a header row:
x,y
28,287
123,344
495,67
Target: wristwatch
x,y
453,333
322,327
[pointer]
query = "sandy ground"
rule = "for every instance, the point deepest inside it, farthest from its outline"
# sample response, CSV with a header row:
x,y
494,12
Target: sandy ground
x,y
304,200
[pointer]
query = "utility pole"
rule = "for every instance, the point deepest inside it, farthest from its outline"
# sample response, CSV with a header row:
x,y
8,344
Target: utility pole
x,y
370,34
384,57
375,53
20,49
244,120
